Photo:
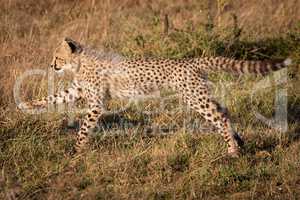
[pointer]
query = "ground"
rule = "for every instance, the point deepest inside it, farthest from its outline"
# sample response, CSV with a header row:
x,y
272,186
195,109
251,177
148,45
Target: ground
x,y
144,152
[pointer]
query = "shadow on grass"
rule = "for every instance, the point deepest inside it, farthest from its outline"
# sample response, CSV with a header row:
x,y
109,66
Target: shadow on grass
x,y
209,43
293,111
142,123
253,144
119,126
261,49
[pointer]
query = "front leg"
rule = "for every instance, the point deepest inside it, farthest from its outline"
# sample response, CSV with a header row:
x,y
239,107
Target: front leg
x,y
69,95
89,125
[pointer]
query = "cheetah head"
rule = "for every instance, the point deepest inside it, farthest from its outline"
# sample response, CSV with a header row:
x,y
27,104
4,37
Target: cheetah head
x,y
64,57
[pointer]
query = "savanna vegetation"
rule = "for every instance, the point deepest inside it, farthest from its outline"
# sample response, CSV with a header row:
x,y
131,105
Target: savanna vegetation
x,y
138,153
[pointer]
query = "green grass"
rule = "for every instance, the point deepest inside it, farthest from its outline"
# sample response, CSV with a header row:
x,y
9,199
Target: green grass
x,y
138,155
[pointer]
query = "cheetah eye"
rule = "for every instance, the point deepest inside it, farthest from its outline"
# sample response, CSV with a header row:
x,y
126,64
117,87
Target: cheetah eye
x,y
57,58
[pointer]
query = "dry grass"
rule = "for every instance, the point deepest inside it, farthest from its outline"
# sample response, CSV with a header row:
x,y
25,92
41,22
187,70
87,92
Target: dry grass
x,y
126,162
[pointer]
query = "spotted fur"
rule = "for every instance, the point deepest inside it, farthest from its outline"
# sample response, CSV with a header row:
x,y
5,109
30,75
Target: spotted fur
x,y
99,78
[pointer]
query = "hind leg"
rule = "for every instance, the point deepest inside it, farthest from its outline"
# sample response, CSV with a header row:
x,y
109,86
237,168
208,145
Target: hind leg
x,y
196,95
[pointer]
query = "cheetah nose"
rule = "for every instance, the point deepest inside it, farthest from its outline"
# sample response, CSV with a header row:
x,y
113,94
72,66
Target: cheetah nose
x,y
56,68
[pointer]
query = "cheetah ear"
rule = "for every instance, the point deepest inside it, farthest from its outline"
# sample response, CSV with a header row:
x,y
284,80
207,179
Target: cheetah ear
x,y
72,45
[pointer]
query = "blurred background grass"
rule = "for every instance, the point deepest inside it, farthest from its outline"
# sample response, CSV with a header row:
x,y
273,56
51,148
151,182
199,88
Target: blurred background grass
x,y
127,162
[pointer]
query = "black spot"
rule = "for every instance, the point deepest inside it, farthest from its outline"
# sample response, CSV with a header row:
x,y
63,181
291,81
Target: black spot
x,y
273,67
83,129
242,65
226,138
83,133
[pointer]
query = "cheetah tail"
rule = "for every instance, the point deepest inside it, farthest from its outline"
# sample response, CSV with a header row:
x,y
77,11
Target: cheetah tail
x,y
253,67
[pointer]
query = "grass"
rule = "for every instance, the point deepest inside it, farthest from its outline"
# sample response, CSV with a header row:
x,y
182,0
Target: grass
x,y
137,155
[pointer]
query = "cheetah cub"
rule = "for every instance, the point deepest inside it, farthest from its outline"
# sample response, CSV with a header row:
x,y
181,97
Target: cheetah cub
x,y
98,80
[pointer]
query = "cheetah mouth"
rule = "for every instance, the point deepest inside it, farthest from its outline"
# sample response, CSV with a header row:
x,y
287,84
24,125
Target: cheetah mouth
x,y
57,68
